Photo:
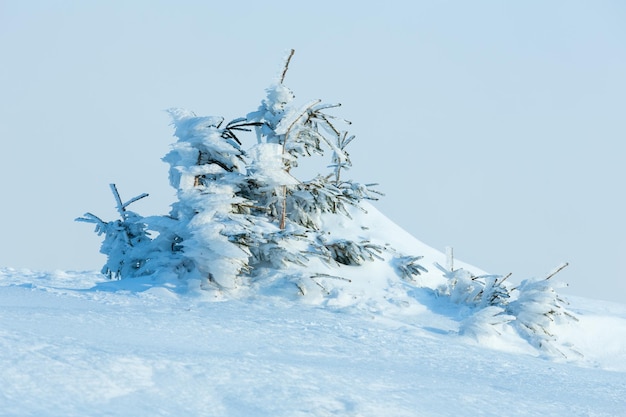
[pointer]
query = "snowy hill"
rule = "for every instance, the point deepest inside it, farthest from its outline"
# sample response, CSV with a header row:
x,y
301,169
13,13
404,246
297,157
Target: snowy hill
x,y
78,344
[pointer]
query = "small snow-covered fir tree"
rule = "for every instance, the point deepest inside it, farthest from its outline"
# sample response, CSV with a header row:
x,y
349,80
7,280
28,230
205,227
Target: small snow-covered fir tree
x,y
481,291
126,241
537,309
531,308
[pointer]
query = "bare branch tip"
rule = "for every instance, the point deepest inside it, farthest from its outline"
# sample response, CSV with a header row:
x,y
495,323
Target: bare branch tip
x,y
286,67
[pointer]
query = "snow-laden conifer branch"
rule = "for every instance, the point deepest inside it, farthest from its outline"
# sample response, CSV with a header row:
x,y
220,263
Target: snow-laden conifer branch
x,y
348,252
92,218
286,124
408,267
121,207
238,125
322,275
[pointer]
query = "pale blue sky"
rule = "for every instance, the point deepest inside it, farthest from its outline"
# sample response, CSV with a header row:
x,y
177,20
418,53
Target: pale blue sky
x,y
494,127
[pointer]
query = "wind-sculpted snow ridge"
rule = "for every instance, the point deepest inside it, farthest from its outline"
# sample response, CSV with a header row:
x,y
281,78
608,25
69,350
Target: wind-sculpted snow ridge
x,y
78,344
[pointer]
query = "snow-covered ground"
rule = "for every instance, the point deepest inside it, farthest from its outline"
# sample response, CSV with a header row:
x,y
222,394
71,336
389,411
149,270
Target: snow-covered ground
x,y
75,344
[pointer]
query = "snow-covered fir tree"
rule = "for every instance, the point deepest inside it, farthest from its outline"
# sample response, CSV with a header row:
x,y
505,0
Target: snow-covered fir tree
x,y
537,309
463,287
126,244
531,308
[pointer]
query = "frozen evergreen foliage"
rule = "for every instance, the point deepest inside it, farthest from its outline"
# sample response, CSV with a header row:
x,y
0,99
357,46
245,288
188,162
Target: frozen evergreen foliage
x,y
282,248
408,267
126,240
537,309
241,211
531,308
348,252
206,165
244,221
477,291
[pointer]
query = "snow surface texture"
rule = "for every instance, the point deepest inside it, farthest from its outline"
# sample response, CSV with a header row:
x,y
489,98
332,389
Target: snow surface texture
x,y
74,345
77,344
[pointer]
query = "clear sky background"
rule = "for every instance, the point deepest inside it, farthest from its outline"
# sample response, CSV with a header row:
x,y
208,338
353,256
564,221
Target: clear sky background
x,y
497,128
